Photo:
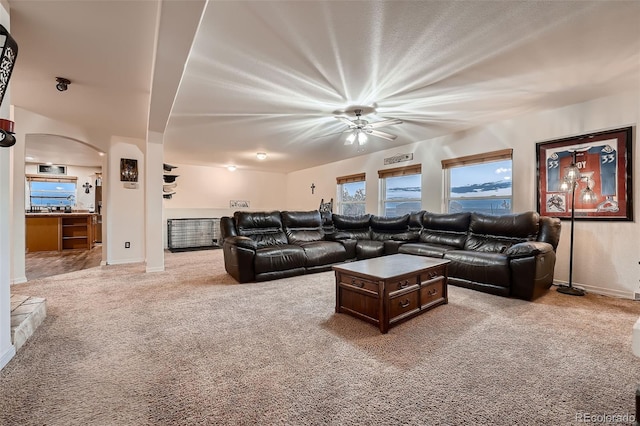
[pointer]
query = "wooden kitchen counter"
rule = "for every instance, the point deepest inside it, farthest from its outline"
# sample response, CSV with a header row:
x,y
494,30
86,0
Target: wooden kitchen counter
x,y
59,231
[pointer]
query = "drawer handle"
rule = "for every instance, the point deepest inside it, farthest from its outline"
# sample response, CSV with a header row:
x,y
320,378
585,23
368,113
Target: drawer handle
x,y
432,292
355,284
404,303
404,284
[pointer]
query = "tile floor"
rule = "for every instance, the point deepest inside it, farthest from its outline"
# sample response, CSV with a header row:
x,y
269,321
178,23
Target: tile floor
x,y
27,313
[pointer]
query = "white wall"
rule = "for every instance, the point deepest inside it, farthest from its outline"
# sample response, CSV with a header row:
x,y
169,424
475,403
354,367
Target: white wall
x,y
605,253
205,192
124,207
7,350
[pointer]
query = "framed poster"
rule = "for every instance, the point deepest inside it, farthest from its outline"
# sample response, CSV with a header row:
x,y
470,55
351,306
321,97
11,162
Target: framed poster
x,y
128,170
604,162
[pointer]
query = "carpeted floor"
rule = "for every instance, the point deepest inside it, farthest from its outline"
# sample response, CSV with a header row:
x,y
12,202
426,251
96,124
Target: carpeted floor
x,y
190,346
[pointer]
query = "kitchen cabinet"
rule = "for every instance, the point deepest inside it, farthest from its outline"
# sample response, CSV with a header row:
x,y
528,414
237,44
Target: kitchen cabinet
x,y
59,231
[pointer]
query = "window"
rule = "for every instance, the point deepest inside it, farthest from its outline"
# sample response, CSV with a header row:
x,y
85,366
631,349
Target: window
x,y
479,183
351,194
401,190
52,192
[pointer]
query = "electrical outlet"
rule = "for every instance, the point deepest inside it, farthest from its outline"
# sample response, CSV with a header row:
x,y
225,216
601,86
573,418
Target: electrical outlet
x,y
127,244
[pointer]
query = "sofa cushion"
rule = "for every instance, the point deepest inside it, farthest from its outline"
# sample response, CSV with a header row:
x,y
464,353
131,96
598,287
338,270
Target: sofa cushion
x,y
279,258
448,229
366,249
398,223
496,234
479,267
425,249
302,227
350,223
356,227
265,228
319,253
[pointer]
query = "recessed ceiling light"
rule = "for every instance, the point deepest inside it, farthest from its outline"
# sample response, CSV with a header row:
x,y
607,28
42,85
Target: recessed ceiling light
x,y
29,158
101,154
261,155
231,168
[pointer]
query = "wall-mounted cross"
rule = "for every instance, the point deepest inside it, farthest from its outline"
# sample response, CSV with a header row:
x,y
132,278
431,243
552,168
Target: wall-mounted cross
x,y
87,186
313,187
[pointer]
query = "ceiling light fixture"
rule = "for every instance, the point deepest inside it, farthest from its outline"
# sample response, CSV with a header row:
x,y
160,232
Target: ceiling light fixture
x,y
261,155
362,138
231,168
63,84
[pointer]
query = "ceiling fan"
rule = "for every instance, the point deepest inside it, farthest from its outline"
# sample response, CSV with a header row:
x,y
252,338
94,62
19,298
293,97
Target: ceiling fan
x,y
360,129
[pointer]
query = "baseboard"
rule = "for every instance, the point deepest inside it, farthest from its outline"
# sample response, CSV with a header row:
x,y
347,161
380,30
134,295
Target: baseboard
x,y
124,261
602,291
20,280
5,357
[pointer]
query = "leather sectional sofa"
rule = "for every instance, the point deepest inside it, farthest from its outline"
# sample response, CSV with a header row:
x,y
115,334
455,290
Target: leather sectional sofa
x,y
510,255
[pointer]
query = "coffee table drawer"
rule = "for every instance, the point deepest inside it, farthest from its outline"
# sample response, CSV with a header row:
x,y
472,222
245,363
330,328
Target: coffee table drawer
x,y
404,305
432,292
402,283
432,274
357,282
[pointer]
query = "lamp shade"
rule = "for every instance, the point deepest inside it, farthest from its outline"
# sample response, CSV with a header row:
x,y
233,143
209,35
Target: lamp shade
x,y
573,173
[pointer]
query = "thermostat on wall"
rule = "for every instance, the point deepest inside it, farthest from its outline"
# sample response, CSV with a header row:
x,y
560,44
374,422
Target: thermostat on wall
x,y
130,185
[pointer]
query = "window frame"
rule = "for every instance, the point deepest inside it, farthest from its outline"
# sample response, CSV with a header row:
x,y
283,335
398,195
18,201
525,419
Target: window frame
x,y
50,179
471,160
342,180
383,175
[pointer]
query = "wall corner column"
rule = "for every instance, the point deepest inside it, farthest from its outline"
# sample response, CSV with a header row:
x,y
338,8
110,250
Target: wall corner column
x,y
153,203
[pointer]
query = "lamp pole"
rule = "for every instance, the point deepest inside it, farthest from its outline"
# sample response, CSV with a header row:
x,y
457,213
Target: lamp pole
x,y
571,290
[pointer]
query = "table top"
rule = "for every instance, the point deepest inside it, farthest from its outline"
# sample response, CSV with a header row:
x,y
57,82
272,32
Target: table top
x,y
391,266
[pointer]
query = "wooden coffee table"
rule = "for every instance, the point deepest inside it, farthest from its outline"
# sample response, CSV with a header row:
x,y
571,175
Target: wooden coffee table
x,y
390,289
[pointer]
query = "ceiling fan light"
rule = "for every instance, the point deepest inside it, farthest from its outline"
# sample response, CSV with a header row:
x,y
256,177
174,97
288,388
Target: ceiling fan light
x,y
362,138
351,138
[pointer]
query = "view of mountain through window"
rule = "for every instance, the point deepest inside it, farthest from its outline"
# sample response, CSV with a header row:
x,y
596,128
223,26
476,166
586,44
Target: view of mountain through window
x,y
481,188
402,195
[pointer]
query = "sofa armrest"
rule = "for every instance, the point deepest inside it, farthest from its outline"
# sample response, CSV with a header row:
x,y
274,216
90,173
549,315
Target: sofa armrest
x,y
529,248
244,242
239,254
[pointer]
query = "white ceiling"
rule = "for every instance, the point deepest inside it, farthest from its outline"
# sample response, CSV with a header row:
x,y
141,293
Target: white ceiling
x,y
270,75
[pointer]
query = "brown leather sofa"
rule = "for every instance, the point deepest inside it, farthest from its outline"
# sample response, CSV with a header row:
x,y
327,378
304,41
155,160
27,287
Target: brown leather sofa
x,y
510,255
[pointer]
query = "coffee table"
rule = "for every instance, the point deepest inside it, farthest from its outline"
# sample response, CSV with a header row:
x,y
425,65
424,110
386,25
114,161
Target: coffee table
x,y
390,289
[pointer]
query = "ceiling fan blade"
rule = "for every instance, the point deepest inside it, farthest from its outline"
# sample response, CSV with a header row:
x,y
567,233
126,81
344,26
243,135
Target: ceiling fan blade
x,y
331,134
381,134
345,121
383,123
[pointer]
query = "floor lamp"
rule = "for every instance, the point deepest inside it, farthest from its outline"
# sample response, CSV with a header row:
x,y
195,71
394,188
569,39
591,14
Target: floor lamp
x,y
570,183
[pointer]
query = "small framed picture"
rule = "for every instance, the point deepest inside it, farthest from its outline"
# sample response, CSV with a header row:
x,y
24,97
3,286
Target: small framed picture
x,y
128,170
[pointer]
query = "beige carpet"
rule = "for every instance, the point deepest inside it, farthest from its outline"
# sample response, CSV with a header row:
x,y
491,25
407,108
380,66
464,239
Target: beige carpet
x,y
190,346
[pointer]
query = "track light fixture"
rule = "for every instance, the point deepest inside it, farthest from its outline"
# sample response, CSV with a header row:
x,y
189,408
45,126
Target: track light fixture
x,y
62,84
